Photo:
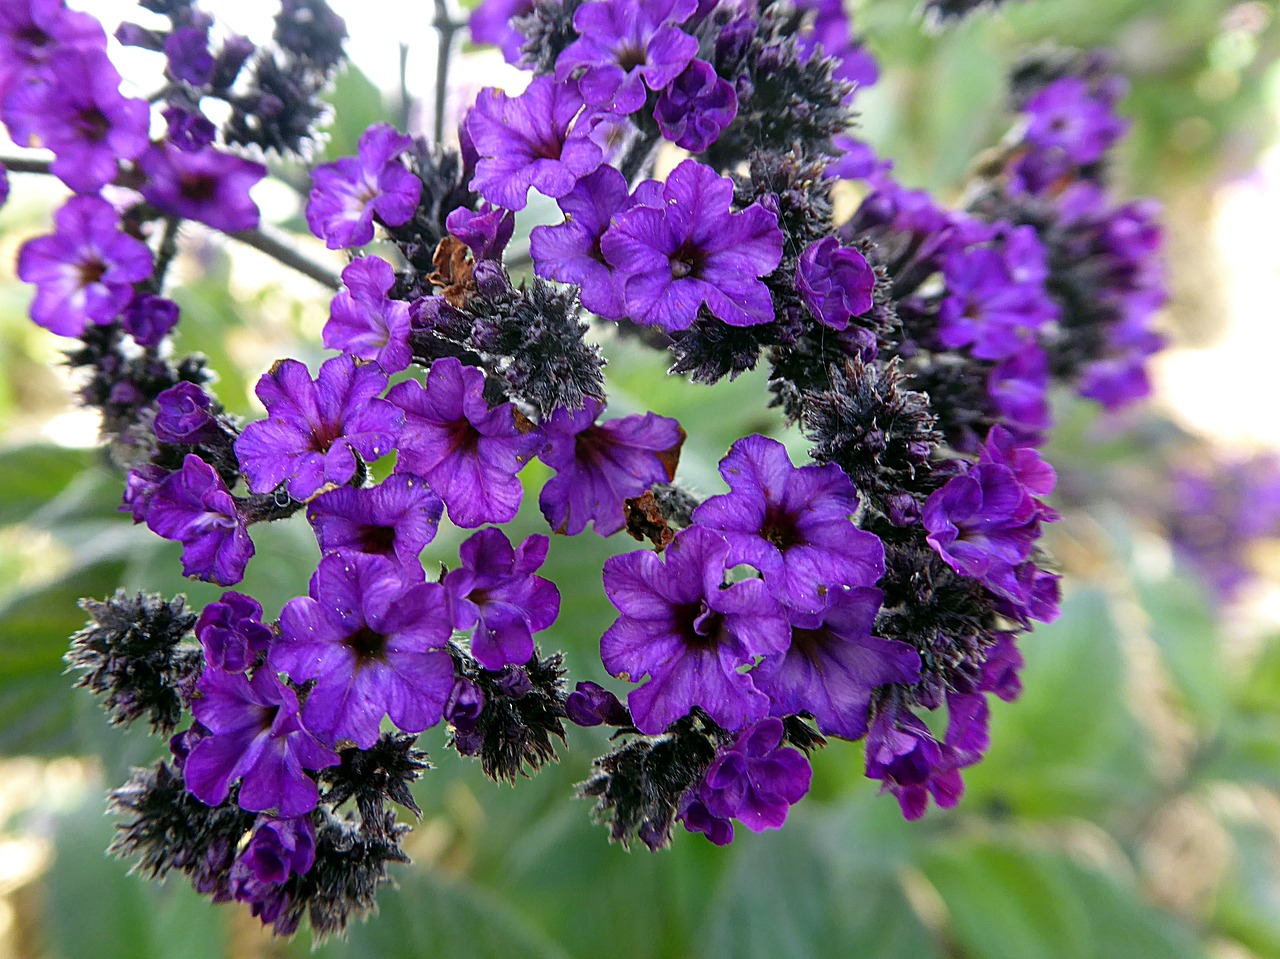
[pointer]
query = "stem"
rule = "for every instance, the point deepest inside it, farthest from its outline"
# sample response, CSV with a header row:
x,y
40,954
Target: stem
x,y
447,26
164,255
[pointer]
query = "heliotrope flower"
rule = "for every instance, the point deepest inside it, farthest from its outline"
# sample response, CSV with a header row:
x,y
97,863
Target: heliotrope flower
x,y
149,319
374,646
756,780
468,453
257,736
364,321
834,663
532,140
690,633
187,51
31,31
1065,115
490,22
792,523
194,507
835,282
696,107
232,632
622,46
496,592
184,416
693,250
599,466
316,429
487,232
394,519
277,849
204,185
85,270
348,193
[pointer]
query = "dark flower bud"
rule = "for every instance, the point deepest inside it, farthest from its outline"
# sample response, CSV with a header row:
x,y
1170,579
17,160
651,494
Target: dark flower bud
x,y
590,704
375,775
185,416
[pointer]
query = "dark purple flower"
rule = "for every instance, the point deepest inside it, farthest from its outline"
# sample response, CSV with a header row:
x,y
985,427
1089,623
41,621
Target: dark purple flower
x,y
279,848
622,46
194,507
496,592
346,194
232,632
364,321
1019,391
487,232
791,523
373,644
316,429
77,111
570,251
466,703
833,32
468,453
204,185
599,466
696,107
834,663
694,250
184,416
188,129
140,484
85,270
689,632
1030,468
756,780
149,319
255,735
835,282
1000,671
491,23
32,31
394,519
526,141
696,818
590,704
187,51
1067,116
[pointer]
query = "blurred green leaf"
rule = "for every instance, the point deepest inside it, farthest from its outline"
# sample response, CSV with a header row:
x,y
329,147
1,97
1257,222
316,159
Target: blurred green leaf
x,y
1183,627
357,105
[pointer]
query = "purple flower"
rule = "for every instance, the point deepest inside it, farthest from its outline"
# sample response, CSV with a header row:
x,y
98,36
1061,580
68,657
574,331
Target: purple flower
x,y
597,467
346,194
394,519
694,250
834,663
469,453
32,31
1066,116
689,632
1000,671
756,780
256,735
149,319
834,34
277,849
1030,469
1019,391
373,644
364,321
140,484
792,523
204,185
526,141
187,51
188,129
85,270
496,592
590,704
623,45
491,23
696,818
835,282
486,232
77,111
696,107
184,416
194,507
316,429
570,251
232,632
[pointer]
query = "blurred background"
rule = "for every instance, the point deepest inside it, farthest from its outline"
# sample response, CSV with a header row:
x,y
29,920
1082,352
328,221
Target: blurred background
x,y
1130,804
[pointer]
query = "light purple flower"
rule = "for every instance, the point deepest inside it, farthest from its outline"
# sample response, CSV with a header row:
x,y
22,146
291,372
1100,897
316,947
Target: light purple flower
x,y
316,429
835,282
792,523
255,735
757,779
599,466
696,107
394,519
32,31
204,185
496,592
491,23
468,453
194,507
364,321
348,193
373,644
690,633
85,270
232,632
693,250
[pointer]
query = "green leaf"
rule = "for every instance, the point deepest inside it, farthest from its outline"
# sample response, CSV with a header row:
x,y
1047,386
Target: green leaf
x,y
31,476
1183,627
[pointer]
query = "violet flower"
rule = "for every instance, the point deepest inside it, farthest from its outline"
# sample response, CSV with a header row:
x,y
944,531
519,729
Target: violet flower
x,y
490,22
696,107
232,632
149,319
194,507
395,519
757,779
486,232
278,849
835,282
348,193
1065,115
184,416
364,321
32,31
204,185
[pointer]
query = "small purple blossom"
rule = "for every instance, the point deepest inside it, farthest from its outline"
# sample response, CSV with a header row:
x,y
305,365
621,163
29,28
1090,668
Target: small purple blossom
x,y
255,735
373,644
835,282
1002,668
348,193
491,23
277,849
184,415
599,466
756,780
689,632
487,232
149,319
85,270
693,250
188,129
316,429
1067,116
469,453
590,704
622,46
204,185
364,321
696,107
140,484
792,523
194,507
394,519
496,592
32,31
232,632
187,52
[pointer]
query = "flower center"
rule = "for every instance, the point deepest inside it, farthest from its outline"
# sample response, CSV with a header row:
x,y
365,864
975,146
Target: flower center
x,y
93,124
379,540
684,262
91,271
632,55
368,645
199,187
700,625
780,528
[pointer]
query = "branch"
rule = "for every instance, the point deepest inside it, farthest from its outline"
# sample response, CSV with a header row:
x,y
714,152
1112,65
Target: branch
x,y
447,27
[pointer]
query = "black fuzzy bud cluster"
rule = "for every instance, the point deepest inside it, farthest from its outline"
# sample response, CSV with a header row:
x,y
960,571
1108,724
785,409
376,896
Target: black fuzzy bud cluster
x,y
947,10
443,191
375,775
548,29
